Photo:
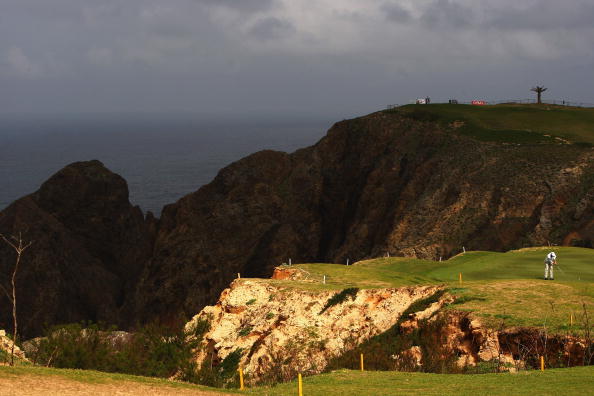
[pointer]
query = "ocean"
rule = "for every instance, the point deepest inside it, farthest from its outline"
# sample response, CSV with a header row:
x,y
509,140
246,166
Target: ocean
x,y
161,159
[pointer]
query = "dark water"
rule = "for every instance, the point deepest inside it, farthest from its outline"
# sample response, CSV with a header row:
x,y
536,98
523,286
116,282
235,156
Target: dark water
x,y
162,160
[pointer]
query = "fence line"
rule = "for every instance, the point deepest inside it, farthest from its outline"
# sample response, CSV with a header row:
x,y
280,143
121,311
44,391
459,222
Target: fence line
x,y
567,103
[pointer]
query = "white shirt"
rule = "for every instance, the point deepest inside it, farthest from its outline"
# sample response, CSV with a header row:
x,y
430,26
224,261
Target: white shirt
x,y
552,256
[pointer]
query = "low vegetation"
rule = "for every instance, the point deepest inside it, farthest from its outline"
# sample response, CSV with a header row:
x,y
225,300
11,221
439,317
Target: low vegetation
x,y
156,351
509,123
340,297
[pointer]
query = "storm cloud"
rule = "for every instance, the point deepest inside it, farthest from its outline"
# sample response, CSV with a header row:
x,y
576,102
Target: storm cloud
x,y
336,58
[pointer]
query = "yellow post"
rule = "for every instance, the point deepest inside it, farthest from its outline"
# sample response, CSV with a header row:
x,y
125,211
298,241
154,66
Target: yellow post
x,y
460,278
362,363
240,369
571,319
300,385
542,363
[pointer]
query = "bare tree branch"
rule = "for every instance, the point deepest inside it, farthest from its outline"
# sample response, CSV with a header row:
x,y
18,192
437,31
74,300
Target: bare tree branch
x,y
19,247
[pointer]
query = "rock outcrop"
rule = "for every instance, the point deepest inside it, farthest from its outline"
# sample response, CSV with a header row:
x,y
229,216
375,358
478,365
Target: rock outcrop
x,y
89,246
291,330
6,346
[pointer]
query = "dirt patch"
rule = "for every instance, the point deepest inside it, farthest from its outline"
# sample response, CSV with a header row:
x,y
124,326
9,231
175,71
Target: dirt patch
x,y
51,385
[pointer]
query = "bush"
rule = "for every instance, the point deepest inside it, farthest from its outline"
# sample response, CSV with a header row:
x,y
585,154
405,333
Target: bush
x,y
340,297
154,350
220,374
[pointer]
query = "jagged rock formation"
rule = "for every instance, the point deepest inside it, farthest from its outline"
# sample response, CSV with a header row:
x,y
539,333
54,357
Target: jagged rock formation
x,y
377,184
278,331
289,330
6,346
88,248
381,183
463,338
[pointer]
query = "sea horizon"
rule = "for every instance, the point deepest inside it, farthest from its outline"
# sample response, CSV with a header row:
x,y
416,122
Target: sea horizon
x,y
161,158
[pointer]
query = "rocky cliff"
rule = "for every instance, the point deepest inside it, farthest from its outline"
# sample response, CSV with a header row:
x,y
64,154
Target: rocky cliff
x,y
88,248
383,183
280,331
275,330
272,331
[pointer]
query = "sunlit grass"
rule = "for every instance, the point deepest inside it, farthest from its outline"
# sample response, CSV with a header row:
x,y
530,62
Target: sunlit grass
x,y
574,381
502,289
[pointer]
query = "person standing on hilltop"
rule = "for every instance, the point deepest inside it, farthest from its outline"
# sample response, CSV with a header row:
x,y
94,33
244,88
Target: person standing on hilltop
x,y
549,262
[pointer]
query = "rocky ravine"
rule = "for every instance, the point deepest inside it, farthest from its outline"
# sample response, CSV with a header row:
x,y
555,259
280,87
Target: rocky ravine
x,y
283,330
376,184
278,332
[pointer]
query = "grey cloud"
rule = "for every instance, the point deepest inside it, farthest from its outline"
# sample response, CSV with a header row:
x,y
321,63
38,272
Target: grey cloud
x,y
201,55
241,5
448,14
21,64
272,28
396,13
543,15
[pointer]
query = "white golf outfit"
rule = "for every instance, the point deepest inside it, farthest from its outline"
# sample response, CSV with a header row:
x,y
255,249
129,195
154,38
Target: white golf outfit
x,y
551,258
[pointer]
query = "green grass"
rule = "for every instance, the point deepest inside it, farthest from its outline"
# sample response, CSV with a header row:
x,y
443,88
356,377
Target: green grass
x,y
97,377
574,381
511,122
500,288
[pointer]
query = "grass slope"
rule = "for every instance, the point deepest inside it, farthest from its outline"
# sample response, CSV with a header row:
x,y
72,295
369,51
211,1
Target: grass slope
x,y
59,381
513,123
501,288
574,381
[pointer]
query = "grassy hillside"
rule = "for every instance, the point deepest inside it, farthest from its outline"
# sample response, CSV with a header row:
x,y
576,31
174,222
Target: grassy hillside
x,y
498,287
510,122
574,381
31,380
43,381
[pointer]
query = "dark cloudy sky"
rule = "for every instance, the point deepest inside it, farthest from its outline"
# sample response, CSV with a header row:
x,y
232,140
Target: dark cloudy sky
x,y
304,57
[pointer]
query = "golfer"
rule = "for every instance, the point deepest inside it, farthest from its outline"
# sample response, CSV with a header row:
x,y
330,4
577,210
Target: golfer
x,y
549,262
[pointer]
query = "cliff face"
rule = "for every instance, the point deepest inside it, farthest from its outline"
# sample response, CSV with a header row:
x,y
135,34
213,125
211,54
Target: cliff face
x,y
88,248
383,183
379,184
274,332
287,331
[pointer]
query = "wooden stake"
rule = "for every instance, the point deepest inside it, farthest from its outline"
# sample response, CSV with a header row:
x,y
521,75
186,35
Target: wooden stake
x,y
571,319
240,369
362,363
238,275
460,278
299,385
542,363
